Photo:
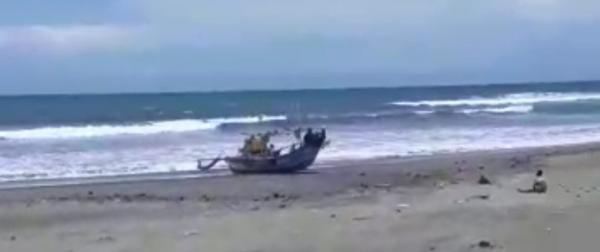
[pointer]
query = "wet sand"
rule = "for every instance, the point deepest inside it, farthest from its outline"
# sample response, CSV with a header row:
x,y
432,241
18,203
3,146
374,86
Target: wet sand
x,y
419,204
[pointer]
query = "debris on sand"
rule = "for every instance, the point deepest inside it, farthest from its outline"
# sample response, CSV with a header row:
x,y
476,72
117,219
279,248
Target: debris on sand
x,y
483,180
106,238
190,233
479,197
474,197
440,185
484,244
13,238
205,198
290,198
362,218
126,198
402,205
382,186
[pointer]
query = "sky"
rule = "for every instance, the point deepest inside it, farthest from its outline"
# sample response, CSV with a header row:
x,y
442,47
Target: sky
x,y
98,46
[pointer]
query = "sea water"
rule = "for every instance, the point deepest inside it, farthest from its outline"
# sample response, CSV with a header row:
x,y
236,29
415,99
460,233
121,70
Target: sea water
x,y
57,136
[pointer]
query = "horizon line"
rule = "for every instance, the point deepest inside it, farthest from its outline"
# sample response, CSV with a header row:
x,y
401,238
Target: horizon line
x,y
250,90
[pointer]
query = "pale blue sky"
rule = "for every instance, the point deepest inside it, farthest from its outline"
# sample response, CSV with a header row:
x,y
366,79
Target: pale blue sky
x,y
71,46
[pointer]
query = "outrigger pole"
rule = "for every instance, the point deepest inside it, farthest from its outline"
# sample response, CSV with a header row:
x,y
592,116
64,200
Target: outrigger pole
x,y
210,165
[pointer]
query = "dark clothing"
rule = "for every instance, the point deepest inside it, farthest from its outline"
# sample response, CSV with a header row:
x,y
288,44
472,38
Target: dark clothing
x,y
314,139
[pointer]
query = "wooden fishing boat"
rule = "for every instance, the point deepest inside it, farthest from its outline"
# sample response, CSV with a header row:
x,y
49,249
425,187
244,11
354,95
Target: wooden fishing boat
x,y
298,157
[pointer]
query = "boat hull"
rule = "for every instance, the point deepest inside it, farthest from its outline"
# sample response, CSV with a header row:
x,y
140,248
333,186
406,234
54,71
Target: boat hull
x,y
296,160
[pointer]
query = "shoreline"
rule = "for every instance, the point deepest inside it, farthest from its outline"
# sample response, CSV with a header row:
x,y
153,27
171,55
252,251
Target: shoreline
x,y
402,169
327,165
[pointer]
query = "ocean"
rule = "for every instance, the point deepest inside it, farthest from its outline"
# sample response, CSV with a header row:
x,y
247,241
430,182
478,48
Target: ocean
x,y
64,136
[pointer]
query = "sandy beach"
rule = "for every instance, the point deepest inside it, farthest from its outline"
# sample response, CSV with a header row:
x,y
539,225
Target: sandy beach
x,y
432,203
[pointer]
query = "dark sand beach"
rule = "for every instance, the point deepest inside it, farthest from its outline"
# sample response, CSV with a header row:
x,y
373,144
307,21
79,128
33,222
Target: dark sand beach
x,y
430,203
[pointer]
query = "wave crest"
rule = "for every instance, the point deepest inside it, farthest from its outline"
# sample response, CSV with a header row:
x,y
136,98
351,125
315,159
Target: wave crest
x,y
500,110
137,129
510,99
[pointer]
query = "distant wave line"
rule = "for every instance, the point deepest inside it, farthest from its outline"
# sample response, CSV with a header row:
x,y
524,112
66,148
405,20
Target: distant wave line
x,y
510,99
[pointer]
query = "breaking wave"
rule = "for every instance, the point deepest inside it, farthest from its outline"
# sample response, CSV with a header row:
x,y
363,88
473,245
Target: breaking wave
x,y
135,129
500,110
510,99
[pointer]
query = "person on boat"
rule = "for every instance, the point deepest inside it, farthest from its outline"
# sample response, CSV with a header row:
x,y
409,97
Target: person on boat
x,y
272,151
315,139
257,146
246,148
309,136
265,138
321,137
298,134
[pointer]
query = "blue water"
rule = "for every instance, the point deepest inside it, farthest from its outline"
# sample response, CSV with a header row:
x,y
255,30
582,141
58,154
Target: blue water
x,y
32,111
93,135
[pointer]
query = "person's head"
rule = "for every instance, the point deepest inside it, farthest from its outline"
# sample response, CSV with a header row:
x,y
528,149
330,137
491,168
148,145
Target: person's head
x,y
539,173
309,131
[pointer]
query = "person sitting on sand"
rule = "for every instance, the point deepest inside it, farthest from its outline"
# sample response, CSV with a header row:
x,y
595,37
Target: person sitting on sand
x,y
539,184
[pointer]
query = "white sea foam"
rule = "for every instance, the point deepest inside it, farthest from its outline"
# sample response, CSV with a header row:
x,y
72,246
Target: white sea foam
x,y
410,142
500,110
136,129
510,99
424,112
175,154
